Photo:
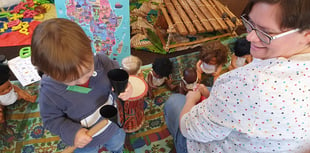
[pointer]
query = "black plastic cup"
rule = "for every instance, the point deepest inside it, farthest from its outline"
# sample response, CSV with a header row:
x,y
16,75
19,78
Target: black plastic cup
x,y
110,112
118,79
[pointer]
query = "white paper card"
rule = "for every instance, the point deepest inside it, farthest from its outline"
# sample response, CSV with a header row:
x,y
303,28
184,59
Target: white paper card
x,y
24,71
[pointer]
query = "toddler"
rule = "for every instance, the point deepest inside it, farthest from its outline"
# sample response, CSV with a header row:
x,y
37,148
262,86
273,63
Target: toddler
x,y
74,86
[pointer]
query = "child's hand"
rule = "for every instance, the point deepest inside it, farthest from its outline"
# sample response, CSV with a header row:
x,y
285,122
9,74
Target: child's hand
x,y
81,138
127,93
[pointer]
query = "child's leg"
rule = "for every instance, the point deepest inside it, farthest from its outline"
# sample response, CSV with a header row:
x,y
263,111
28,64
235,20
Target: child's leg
x,y
116,143
2,114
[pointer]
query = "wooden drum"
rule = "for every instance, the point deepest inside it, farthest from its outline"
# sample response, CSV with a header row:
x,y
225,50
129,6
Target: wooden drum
x,y
133,107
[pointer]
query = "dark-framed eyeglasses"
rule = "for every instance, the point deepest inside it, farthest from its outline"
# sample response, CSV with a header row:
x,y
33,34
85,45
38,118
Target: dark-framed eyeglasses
x,y
263,36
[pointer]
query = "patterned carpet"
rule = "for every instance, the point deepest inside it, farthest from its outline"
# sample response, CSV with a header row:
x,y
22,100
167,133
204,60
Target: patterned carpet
x,y
24,133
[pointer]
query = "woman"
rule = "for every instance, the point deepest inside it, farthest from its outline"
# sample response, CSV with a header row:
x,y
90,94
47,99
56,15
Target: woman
x,y
263,106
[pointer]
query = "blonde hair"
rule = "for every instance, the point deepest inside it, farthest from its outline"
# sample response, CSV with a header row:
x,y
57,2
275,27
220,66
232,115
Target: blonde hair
x,y
131,64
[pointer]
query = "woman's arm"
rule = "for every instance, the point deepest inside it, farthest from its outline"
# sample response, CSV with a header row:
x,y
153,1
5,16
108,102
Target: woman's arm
x,y
192,97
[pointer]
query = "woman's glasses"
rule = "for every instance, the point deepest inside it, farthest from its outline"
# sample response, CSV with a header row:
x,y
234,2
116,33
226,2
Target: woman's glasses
x,y
263,36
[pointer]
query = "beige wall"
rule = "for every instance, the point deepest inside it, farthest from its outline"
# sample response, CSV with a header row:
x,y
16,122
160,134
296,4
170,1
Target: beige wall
x,y
235,6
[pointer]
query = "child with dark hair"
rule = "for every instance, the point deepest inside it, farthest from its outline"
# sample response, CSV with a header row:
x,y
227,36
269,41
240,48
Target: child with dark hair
x,y
211,60
9,93
160,75
75,86
241,54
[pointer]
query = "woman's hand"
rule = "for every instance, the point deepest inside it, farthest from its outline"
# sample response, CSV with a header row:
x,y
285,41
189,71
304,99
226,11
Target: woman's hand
x,y
127,93
81,138
193,97
203,90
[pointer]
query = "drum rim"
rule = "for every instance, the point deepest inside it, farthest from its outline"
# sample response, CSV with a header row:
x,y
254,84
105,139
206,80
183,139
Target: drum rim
x,y
143,93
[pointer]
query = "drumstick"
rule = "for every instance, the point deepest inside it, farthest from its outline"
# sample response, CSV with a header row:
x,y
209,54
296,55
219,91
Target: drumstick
x,y
90,132
106,111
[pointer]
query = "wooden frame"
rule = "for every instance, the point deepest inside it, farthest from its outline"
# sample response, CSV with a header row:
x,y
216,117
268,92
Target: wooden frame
x,y
192,17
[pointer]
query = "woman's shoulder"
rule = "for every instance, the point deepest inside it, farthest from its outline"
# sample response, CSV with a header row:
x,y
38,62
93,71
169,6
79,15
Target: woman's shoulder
x,y
301,57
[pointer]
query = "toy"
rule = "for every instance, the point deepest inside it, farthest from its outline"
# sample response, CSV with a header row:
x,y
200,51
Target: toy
x,y
241,54
160,75
9,93
8,3
21,14
211,60
189,80
132,65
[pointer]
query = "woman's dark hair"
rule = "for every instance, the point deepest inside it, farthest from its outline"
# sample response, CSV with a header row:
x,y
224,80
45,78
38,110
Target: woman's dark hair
x,y
162,67
294,13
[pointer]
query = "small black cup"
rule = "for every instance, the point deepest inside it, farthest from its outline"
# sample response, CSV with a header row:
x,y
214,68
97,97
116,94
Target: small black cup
x,y
110,112
118,79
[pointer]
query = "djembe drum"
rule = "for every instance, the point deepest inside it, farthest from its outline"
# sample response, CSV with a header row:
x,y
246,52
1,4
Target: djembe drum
x,y
133,107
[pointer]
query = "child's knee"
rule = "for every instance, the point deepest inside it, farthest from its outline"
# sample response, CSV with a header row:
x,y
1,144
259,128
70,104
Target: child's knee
x,y
117,141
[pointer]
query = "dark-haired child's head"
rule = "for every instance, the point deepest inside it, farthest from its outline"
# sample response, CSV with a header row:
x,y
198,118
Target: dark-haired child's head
x,y
162,67
190,75
242,47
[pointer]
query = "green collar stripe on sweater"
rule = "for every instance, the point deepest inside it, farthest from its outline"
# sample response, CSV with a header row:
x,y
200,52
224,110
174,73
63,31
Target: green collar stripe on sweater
x,y
79,89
